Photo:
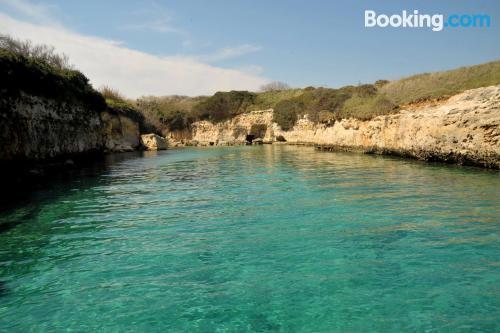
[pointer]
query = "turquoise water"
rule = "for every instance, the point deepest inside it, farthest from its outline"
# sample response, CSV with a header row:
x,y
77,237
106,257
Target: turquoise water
x,y
256,239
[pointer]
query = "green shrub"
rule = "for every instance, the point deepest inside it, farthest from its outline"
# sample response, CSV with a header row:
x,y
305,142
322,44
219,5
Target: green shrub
x,y
224,105
40,52
169,113
35,77
366,108
111,94
177,120
269,99
287,111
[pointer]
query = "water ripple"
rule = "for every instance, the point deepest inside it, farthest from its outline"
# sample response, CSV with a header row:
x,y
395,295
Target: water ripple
x,y
272,238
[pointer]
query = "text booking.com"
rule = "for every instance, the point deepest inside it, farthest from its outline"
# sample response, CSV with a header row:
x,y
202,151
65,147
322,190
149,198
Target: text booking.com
x,y
437,22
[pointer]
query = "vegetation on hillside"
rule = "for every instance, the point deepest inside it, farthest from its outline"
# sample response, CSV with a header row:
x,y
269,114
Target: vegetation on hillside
x,y
224,105
327,105
169,113
38,70
442,84
324,105
119,104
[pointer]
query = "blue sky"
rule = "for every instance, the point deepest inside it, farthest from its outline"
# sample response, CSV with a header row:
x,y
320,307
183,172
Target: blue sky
x,y
299,42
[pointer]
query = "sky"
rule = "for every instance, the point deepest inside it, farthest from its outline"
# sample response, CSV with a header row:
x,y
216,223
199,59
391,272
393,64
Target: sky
x,y
199,47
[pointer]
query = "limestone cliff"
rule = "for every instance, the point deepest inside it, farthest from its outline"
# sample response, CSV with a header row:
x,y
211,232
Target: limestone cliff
x,y
153,142
37,128
252,125
464,129
121,133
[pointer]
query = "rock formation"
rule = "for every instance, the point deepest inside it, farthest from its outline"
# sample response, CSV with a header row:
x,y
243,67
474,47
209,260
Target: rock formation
x,y
239,130
154,142
120,132
465,129
37,128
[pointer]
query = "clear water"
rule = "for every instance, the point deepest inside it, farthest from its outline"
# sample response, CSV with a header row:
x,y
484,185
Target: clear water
x,y
256,239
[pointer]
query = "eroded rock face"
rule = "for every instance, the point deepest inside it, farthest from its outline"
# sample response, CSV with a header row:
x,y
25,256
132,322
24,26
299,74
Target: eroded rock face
x,y
464,129
232,132
154,142
120,133
37,128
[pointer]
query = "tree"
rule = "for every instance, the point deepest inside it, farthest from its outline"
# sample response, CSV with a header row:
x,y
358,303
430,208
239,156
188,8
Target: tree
x,y
274,86
41,52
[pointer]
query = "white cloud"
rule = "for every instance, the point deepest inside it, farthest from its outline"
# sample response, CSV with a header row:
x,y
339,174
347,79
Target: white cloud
x,y
155,18
34,12
159,25
136,73
253,69
230,52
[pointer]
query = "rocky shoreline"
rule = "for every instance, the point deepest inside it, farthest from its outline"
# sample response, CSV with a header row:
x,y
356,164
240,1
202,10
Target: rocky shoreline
x,y
464,129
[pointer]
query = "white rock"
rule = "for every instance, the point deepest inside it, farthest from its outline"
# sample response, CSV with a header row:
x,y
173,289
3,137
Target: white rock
x,y
154,142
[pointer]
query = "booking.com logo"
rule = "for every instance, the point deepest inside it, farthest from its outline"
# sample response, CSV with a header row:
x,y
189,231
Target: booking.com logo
x,y
416,20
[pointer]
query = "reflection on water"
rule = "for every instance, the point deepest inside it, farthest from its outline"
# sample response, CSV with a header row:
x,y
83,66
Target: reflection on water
x,y
271,238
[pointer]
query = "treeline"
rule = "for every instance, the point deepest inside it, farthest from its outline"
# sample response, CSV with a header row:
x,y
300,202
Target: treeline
x,y
319,104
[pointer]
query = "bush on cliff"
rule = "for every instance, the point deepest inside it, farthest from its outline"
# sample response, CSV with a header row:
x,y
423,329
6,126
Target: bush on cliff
x,y
40,52
118,104
169,113
287,112
269,99
43,74
224,105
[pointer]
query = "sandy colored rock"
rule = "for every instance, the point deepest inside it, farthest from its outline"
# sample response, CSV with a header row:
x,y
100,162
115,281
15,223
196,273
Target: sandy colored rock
x,y
231,132
35,128
120,133
154,142
465,129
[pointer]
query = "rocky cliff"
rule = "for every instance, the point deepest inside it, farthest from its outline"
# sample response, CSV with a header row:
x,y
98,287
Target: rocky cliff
x,y
36,128
240,129
464,129
120,133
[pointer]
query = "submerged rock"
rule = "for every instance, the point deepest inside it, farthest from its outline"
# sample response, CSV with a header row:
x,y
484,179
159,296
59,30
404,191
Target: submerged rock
x,y
154,142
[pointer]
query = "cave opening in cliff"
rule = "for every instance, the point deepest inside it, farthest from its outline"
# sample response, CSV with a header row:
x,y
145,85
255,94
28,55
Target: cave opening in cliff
x,y
250,138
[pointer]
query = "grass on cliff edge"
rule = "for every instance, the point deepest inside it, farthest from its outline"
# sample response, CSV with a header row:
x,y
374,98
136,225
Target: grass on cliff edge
x,y
442,84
